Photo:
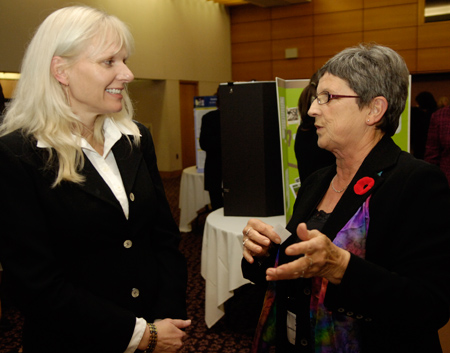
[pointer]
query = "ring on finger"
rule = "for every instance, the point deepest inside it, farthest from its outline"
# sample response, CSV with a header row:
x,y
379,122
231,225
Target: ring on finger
x,y
243,243
248,231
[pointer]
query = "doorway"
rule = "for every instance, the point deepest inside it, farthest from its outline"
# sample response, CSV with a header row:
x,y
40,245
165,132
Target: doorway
x,y
188,90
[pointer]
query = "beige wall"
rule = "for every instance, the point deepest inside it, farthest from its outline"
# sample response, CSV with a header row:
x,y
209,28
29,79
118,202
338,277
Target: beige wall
x,y
175,40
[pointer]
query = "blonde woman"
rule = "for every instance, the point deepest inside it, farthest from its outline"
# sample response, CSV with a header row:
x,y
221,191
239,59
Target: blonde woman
x,y
89,241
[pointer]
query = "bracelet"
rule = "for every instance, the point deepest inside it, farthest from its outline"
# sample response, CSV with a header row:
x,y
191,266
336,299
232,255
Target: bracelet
x,y
153,338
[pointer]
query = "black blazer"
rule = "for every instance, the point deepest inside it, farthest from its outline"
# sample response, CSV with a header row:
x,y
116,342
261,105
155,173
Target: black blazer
x,y
81,271
400,293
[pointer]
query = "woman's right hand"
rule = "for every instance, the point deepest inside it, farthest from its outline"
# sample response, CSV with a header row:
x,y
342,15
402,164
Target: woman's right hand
x,y
170,335
258,236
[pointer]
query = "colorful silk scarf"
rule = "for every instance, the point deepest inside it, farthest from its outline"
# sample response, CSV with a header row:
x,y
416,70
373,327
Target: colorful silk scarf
x,y
265,330
333,334
337,333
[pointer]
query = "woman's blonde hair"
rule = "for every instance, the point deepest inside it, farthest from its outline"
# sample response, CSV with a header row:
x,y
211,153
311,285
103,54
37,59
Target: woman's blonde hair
x,y
40,107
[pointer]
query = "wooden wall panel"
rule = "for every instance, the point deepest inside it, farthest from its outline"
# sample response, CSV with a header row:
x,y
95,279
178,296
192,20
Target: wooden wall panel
x,y
326,6
292,27
250,31
434,35
322,28
248,13
381,3
390,17
259,71
304,47
330,45
420,12
292,10
410,57
433,59
319,61
395,38
293,69
252,51
339,22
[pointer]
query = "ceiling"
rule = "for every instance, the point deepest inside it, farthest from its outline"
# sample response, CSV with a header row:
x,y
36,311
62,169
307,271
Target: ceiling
x,y
262,3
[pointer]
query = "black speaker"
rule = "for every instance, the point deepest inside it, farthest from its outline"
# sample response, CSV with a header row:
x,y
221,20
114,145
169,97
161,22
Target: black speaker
x,y
251,152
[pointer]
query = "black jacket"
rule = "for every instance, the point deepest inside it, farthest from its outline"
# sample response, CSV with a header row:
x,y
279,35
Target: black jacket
x,y
81,271
400,292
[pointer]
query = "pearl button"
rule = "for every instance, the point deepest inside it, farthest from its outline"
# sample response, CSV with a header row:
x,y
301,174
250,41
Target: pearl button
x,y
135,292
127,244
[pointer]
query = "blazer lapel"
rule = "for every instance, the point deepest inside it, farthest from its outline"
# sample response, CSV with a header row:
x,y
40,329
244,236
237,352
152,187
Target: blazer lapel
x,y
95,184
383,156
128,159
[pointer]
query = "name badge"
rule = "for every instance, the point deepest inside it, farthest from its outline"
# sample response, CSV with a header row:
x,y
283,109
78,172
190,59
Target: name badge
x,y
291,324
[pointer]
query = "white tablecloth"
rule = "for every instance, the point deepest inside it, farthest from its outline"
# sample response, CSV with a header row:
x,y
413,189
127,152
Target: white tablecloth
x,y
193,197
221,259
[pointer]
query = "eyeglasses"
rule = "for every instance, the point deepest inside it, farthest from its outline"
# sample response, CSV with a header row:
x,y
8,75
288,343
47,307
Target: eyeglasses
x,y
324,97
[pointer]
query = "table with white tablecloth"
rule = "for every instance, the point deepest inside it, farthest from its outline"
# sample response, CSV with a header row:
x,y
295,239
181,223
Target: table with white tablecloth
x,y
193,197
221,259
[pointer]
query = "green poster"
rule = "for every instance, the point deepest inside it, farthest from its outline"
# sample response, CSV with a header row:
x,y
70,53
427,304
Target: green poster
x,y
401,137
288,93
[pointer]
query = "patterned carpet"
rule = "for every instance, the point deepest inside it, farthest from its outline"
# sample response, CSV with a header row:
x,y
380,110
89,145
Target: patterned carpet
x,y
232,334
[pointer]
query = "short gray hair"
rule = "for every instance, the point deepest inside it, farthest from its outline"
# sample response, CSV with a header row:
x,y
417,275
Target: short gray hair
x,y
373,70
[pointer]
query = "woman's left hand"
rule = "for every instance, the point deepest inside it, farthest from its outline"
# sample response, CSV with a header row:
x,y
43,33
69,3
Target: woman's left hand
x,y
170,335
322,258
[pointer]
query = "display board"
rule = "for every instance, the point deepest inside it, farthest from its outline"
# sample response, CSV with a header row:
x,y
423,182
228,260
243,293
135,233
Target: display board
x,y
288,92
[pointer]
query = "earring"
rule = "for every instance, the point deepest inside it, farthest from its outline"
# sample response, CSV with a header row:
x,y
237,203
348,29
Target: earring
x,y
368,120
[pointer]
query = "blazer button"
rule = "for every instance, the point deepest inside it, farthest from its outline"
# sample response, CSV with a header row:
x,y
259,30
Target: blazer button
x,y
304,342
131,196
135,292
127,244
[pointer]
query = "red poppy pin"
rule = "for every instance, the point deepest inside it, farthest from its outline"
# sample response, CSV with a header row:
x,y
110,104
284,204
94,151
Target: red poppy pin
x,y
363,185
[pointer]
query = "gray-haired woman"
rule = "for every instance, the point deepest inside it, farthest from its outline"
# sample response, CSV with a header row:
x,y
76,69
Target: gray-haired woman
x,y
367,267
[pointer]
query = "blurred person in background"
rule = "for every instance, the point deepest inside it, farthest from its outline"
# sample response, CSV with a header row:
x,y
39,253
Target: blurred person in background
x,y
310,156
420,121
